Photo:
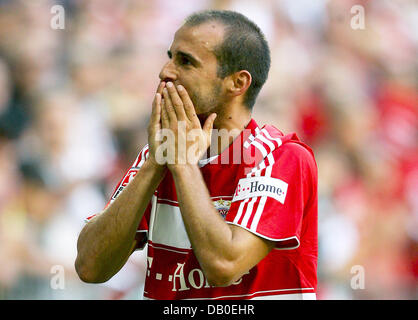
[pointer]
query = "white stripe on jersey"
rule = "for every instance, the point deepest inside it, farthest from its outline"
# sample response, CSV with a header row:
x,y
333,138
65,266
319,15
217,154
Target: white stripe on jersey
x,y
249,211
263,200
272,296
292,296
266,141
267,134
143,155
250,207
168,227
167,249
256,172
260,147
260,167
240,209
251,139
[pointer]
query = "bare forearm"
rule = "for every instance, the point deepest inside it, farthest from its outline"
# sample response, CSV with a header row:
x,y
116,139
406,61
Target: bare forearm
x,y
106,242
211,237
221,249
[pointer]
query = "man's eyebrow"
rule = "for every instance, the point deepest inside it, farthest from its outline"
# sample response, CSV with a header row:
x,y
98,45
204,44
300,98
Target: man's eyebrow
x,y
184,54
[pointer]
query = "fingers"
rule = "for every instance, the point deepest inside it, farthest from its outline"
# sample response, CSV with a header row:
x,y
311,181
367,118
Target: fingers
x,y
187,103
178,104
207,127
176,101
169,106
165,120
155,122
161,87
156,105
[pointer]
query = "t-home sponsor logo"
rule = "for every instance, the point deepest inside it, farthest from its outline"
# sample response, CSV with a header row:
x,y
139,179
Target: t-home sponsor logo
x,y
259,187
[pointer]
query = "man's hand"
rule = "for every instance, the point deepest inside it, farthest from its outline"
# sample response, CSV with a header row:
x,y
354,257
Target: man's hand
x,y
190,140
106,242
154,127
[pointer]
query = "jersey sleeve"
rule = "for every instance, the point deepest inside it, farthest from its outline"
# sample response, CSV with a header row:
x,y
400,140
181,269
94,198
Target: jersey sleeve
x,y
142,231
270,200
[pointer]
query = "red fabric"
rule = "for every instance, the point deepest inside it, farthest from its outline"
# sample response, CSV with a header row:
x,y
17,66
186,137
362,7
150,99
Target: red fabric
x,y
288,216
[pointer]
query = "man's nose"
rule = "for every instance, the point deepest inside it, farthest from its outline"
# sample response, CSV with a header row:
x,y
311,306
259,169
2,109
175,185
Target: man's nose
x,y
168,72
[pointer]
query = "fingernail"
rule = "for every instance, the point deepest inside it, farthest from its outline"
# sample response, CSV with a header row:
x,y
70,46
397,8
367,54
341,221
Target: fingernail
x,y
179,87
169,84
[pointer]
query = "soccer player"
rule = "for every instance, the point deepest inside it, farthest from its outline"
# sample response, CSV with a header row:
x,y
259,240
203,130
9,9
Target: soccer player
x,y
226,216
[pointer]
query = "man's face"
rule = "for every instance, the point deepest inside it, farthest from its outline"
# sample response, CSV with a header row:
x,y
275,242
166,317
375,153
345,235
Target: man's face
x,y
193,65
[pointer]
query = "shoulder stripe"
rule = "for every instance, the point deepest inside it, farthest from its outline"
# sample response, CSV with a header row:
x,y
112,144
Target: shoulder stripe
x,y
250,207
240,210
267,142
267,134
249,211
141,157
260,208
260,147
247,142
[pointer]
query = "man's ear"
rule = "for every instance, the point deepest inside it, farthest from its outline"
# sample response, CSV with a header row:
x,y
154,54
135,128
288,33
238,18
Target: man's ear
x,y
239,82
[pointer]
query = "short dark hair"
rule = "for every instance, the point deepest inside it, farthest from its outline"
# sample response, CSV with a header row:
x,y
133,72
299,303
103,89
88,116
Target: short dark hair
x,y
244,47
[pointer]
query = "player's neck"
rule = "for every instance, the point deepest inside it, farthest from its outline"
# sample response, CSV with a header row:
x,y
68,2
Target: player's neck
x,y
229,123
232,119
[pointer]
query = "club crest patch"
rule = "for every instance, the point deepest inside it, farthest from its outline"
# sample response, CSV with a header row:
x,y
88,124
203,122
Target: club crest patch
x,y
222,206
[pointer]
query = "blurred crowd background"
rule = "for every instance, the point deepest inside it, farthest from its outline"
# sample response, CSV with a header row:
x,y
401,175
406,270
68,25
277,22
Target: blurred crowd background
x,y
75,104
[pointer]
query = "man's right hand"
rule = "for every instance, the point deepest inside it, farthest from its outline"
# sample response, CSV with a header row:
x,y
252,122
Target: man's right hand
x,y
154,126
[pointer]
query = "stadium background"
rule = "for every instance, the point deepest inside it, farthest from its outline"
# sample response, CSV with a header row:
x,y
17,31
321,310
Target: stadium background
x,y
74,107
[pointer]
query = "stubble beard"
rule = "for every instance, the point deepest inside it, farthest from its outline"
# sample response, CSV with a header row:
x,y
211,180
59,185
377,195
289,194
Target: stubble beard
x,y
205,105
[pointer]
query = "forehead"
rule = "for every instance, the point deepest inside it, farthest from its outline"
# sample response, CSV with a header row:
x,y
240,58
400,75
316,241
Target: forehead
x,y
198,40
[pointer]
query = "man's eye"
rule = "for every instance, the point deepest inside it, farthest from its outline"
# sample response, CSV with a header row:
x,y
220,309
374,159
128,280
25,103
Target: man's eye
x,y
184,61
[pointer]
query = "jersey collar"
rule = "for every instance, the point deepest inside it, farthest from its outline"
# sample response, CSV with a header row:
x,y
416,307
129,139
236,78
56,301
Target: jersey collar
x,y
249,132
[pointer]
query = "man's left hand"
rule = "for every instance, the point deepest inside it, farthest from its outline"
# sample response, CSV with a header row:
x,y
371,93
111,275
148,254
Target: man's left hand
x,y
187,140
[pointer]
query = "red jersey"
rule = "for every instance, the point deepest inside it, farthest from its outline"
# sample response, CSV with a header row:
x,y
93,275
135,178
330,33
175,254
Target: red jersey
x,y
264,182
